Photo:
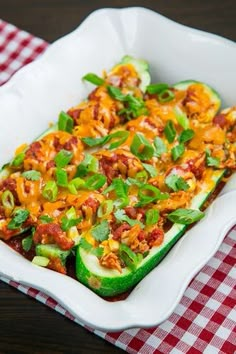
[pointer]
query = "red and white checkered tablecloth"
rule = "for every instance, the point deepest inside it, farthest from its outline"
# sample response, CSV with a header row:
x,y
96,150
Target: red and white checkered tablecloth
x,y
205,319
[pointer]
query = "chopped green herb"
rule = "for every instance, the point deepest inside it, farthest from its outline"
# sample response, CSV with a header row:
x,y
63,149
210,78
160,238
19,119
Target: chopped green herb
x,y
27,243
105,208
159,146
85,244
18,160
166,96
150,169
98,251
32,175
89,164
101,231
74,184
211,161
157,88
181,117
67,223
149,194
61,177
177,151
120,216
130,258
176,183
95,141
45,219
186,135
95,181
19,217
170,131
8,200
50,191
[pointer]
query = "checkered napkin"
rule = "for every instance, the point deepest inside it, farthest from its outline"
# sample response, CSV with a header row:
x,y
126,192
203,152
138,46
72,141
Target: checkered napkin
x,y
204,321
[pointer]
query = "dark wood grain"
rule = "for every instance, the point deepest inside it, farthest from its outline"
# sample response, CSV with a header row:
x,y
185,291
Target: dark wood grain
x,y
26,326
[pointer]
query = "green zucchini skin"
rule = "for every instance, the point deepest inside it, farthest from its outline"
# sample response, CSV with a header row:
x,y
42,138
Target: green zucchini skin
x,y
110,282
142,69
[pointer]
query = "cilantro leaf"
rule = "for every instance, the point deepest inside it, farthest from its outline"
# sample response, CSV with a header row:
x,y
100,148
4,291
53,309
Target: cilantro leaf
x,y
121,216
176,183
101,231
32,175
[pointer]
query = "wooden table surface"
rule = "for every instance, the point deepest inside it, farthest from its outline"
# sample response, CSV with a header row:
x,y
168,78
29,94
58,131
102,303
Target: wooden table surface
x,y
26,326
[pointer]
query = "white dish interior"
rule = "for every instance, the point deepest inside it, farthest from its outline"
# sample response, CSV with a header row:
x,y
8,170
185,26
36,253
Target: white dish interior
x,y
38,92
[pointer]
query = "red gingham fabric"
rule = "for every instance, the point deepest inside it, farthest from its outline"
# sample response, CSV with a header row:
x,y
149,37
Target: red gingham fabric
x,y
204,321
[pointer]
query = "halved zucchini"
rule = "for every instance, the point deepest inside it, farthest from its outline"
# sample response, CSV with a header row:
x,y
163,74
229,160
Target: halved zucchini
x,y
202,93
106,282
52,251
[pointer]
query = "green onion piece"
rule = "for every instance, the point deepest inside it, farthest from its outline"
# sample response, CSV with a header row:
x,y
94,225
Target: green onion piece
x,y
71,213
101,231
93,79
95,182
63,158
141,176
18,160
186,135
152,216
121,190
177,151
141,147
65,122
121,216
166,96
67,223
40,261
8,200
75,184
181,117
105,208
149,194
211,161
89,164
85,244
32,175
19,217
170,131
61,177
136,106
185,216
116,93
130,258
150,169
95,141
157,88
27,243
159,146
45,219
50,191
119,138
176,183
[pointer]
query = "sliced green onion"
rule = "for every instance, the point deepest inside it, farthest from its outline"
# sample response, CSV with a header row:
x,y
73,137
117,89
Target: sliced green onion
x,y
136,106
211,161
95,182
89,164
149,194
116,93
71,213
157,88
141,176
150,169
45,219
121,190
67,223
120,137
177,183
8,200
181,117
141,147
101,231
18,160
159,146
121,216
185,216
27,243
170,131
75,184
61,177
95,141
32,175
19,217
41,261
166,96
63,158
186,135
50,191
152,216
65,122
105,208
93,79
130,258
177,151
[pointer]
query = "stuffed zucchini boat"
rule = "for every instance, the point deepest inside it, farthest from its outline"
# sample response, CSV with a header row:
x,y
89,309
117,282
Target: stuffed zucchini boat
x,y
113,185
